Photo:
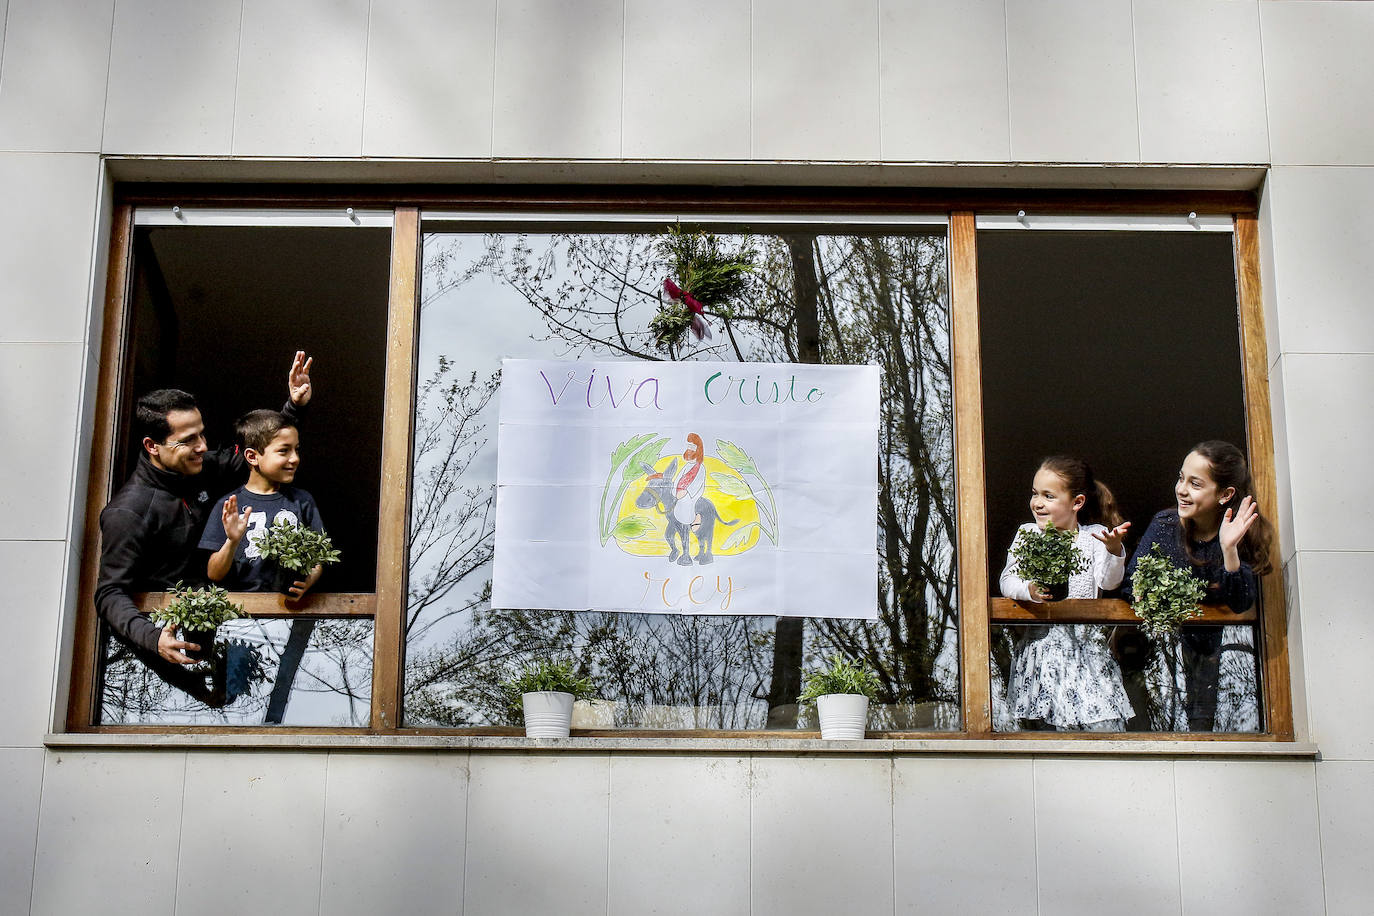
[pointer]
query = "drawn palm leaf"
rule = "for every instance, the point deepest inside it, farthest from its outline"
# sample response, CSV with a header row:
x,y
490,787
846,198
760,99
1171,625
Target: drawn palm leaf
x,y
618,456
739,537
736,457
646,455
731,485
627,448
631,527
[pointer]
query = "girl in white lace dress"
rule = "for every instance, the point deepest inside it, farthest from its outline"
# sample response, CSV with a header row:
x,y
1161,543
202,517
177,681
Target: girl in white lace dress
x,y
1063,676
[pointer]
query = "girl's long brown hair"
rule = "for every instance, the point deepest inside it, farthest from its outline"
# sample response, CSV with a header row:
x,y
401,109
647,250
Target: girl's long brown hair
x,y
1099,505
1230,470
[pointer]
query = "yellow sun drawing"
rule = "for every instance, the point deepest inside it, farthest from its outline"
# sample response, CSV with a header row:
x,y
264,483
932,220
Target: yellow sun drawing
x,y
741,536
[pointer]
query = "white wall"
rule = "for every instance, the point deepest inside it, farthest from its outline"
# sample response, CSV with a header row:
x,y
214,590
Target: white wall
x,y
893,81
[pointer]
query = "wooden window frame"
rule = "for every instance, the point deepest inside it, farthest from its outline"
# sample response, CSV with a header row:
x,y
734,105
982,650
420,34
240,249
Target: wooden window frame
x,y
978,610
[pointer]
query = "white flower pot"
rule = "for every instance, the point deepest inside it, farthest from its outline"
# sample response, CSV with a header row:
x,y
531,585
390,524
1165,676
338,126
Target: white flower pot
x,y
548,714
843,716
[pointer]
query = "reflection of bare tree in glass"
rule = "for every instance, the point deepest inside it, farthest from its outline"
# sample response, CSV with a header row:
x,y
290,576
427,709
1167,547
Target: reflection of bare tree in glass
x,y
330,684
852,300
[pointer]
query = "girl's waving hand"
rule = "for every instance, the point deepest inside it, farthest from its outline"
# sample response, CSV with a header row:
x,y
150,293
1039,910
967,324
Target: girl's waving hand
x,y
1112,539
1236,522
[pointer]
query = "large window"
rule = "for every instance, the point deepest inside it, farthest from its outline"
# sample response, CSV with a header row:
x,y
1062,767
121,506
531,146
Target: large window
x,y
868,296
410,313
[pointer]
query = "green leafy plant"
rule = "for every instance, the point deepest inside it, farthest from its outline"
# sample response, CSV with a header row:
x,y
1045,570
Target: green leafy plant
x,y
1047,557
705,270
550,675
296,547
840,676
200,609
1165,594
670,323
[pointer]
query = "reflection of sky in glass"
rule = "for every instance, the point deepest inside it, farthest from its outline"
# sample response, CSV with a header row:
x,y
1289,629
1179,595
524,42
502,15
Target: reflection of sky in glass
x,y
481,303
332,685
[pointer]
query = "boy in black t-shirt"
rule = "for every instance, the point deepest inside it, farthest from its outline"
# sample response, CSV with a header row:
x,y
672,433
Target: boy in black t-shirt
x,y
271,446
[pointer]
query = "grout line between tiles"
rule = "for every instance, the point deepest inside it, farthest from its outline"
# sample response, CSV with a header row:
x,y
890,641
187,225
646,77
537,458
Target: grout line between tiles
x,y
238,68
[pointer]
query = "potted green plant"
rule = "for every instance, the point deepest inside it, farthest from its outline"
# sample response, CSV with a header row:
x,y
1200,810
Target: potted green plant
x,y
1165,594
1048,558
841,692
197,613
547,691
296,550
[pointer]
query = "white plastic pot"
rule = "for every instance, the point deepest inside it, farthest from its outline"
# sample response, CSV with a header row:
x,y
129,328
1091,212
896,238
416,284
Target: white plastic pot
x,y
548,713
843,716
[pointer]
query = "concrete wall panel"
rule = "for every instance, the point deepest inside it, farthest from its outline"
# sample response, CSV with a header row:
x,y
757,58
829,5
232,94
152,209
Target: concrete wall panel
x,y
815,85
943,74
430,78
300,78
172,71
52,76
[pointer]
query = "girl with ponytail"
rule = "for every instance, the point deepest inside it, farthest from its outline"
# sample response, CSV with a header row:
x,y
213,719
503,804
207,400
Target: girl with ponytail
x,y
1064,677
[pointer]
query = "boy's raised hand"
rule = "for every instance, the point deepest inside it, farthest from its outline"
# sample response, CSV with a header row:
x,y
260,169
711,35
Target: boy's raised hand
x,y
298,380
1112,539
235,522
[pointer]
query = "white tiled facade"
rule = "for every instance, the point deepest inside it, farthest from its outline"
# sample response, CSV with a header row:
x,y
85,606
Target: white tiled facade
x,y
717,90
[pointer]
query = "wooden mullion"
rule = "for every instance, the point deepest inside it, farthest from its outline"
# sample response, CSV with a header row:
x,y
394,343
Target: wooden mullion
x,y
81,699
1277,688
397,427
975,667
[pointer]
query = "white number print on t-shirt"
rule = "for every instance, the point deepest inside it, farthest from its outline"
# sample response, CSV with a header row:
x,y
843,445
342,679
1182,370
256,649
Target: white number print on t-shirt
x,y
257,524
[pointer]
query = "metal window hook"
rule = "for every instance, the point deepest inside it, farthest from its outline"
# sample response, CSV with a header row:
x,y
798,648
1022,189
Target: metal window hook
x,y
1192,218
352,216
176,212
1021,218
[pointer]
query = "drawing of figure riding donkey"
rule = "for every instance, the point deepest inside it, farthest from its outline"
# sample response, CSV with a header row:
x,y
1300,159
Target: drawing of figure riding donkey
x,y
678,494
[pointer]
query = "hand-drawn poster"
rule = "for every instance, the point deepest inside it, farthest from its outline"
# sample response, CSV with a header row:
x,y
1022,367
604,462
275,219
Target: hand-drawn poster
x,y
704,488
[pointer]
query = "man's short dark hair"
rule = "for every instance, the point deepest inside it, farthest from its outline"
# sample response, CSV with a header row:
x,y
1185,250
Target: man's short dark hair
x,y
150,414
257,428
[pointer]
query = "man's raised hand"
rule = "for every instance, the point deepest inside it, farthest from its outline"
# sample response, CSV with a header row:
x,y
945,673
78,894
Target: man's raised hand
x,y
298,380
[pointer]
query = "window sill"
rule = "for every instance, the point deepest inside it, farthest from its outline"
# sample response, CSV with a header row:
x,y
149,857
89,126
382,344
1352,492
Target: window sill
x,y
800,746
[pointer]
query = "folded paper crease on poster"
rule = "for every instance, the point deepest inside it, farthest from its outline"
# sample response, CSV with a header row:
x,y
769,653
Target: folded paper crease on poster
x,y
706,488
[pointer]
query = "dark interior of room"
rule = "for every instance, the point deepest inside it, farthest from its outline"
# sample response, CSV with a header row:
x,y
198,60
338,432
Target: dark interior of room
x,y
1121,347
220,311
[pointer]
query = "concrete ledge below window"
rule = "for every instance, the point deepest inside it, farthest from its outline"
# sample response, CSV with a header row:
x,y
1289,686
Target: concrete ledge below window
x,y
796,746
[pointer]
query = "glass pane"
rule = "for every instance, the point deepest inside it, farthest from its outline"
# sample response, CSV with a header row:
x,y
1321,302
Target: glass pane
x,y
488,296
1086,677
263,672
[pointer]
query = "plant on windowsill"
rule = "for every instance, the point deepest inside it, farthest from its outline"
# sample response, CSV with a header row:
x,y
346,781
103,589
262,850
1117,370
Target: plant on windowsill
x,y
841,692
296,550
546,691
197,613
1048,558
1165,594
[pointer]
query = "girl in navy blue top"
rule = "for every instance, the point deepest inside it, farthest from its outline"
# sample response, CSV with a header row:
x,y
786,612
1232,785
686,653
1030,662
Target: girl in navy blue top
x,y
1215,528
